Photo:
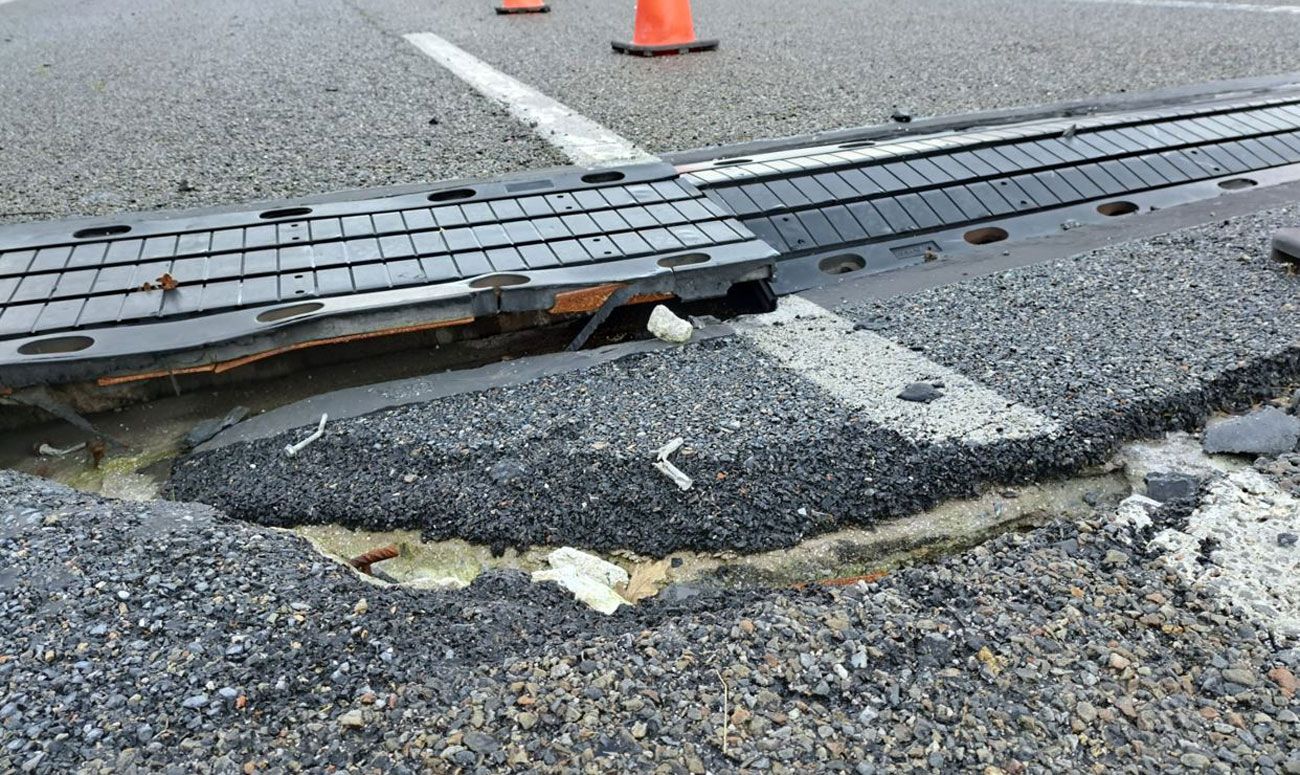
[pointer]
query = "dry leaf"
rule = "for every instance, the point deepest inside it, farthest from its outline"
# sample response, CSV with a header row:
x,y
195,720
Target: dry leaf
x,y
644,582
167,282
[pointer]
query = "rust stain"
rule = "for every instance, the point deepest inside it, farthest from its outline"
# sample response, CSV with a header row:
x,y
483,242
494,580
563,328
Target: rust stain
x,y
583,299
590,299
364,561
247,359
223,366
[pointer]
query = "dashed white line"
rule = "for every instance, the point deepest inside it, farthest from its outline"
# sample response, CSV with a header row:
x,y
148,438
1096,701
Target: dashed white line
x,y
1204,5
866,371
584,141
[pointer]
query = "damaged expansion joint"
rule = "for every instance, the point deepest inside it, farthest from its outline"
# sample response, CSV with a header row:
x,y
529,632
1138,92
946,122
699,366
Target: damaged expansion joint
x,y
294,449
669,470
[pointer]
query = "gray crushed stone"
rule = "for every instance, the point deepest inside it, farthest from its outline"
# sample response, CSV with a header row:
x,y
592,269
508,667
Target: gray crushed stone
x,y
1118,344
142,636
1283,468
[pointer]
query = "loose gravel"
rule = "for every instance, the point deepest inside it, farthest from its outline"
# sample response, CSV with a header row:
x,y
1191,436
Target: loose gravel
x,y
144,636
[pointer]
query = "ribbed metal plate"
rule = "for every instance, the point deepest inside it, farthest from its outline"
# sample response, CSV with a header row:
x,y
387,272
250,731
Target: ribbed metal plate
x,y
830,201
101,290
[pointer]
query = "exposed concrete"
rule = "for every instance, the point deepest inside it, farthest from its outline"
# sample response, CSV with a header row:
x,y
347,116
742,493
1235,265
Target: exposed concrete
x,y
1234,543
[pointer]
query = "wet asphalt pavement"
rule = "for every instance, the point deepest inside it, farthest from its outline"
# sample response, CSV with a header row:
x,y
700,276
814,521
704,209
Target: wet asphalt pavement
x,y
161,634
116,106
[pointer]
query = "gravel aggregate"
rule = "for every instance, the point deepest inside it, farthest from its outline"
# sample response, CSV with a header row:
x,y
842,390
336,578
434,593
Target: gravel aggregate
x,y
144,636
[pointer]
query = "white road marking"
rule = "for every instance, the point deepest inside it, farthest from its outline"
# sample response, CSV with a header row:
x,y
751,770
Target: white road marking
x,y
866,371
585,142
1204,5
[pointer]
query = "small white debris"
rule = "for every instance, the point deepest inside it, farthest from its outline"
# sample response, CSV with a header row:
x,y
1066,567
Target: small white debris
x,y
668,327
663,466
48,451
664,452
674,473
293,449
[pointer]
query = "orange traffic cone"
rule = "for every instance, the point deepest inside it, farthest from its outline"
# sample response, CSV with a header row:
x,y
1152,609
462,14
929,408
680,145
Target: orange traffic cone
x,y
523,6
663,27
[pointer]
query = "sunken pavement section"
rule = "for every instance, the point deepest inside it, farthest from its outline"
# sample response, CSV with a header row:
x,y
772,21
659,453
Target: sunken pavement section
x,y
792,425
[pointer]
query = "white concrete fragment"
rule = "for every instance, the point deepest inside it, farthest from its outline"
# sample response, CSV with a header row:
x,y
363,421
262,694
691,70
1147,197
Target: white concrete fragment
x,y
668,327
587,577
1135,511
588,564
1242,515
866,371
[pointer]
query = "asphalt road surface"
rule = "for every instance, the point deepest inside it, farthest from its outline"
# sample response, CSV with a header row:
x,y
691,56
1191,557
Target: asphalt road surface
x,y
114,105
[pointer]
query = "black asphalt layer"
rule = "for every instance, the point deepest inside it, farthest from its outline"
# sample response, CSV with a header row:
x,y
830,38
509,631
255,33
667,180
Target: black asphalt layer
x,y
1115,344
114,106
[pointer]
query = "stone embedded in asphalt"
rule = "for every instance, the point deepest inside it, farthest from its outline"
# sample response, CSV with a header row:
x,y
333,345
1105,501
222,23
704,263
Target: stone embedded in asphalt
x,y
1165,486
1267,431
921,393
1295,402
353,719
506,471
1286,539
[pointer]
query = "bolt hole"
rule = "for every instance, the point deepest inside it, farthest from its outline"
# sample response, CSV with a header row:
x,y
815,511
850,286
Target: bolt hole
x,y
287,212
611,176
101,231
856,144
56,345
292,311
730,162
499,281
1112,209
1236,184
686,259
451,195
842,264
986,235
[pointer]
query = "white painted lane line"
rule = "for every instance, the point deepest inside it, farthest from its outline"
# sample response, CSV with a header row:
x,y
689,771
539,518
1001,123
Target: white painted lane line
x,y
866,372
585,142
1205,5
